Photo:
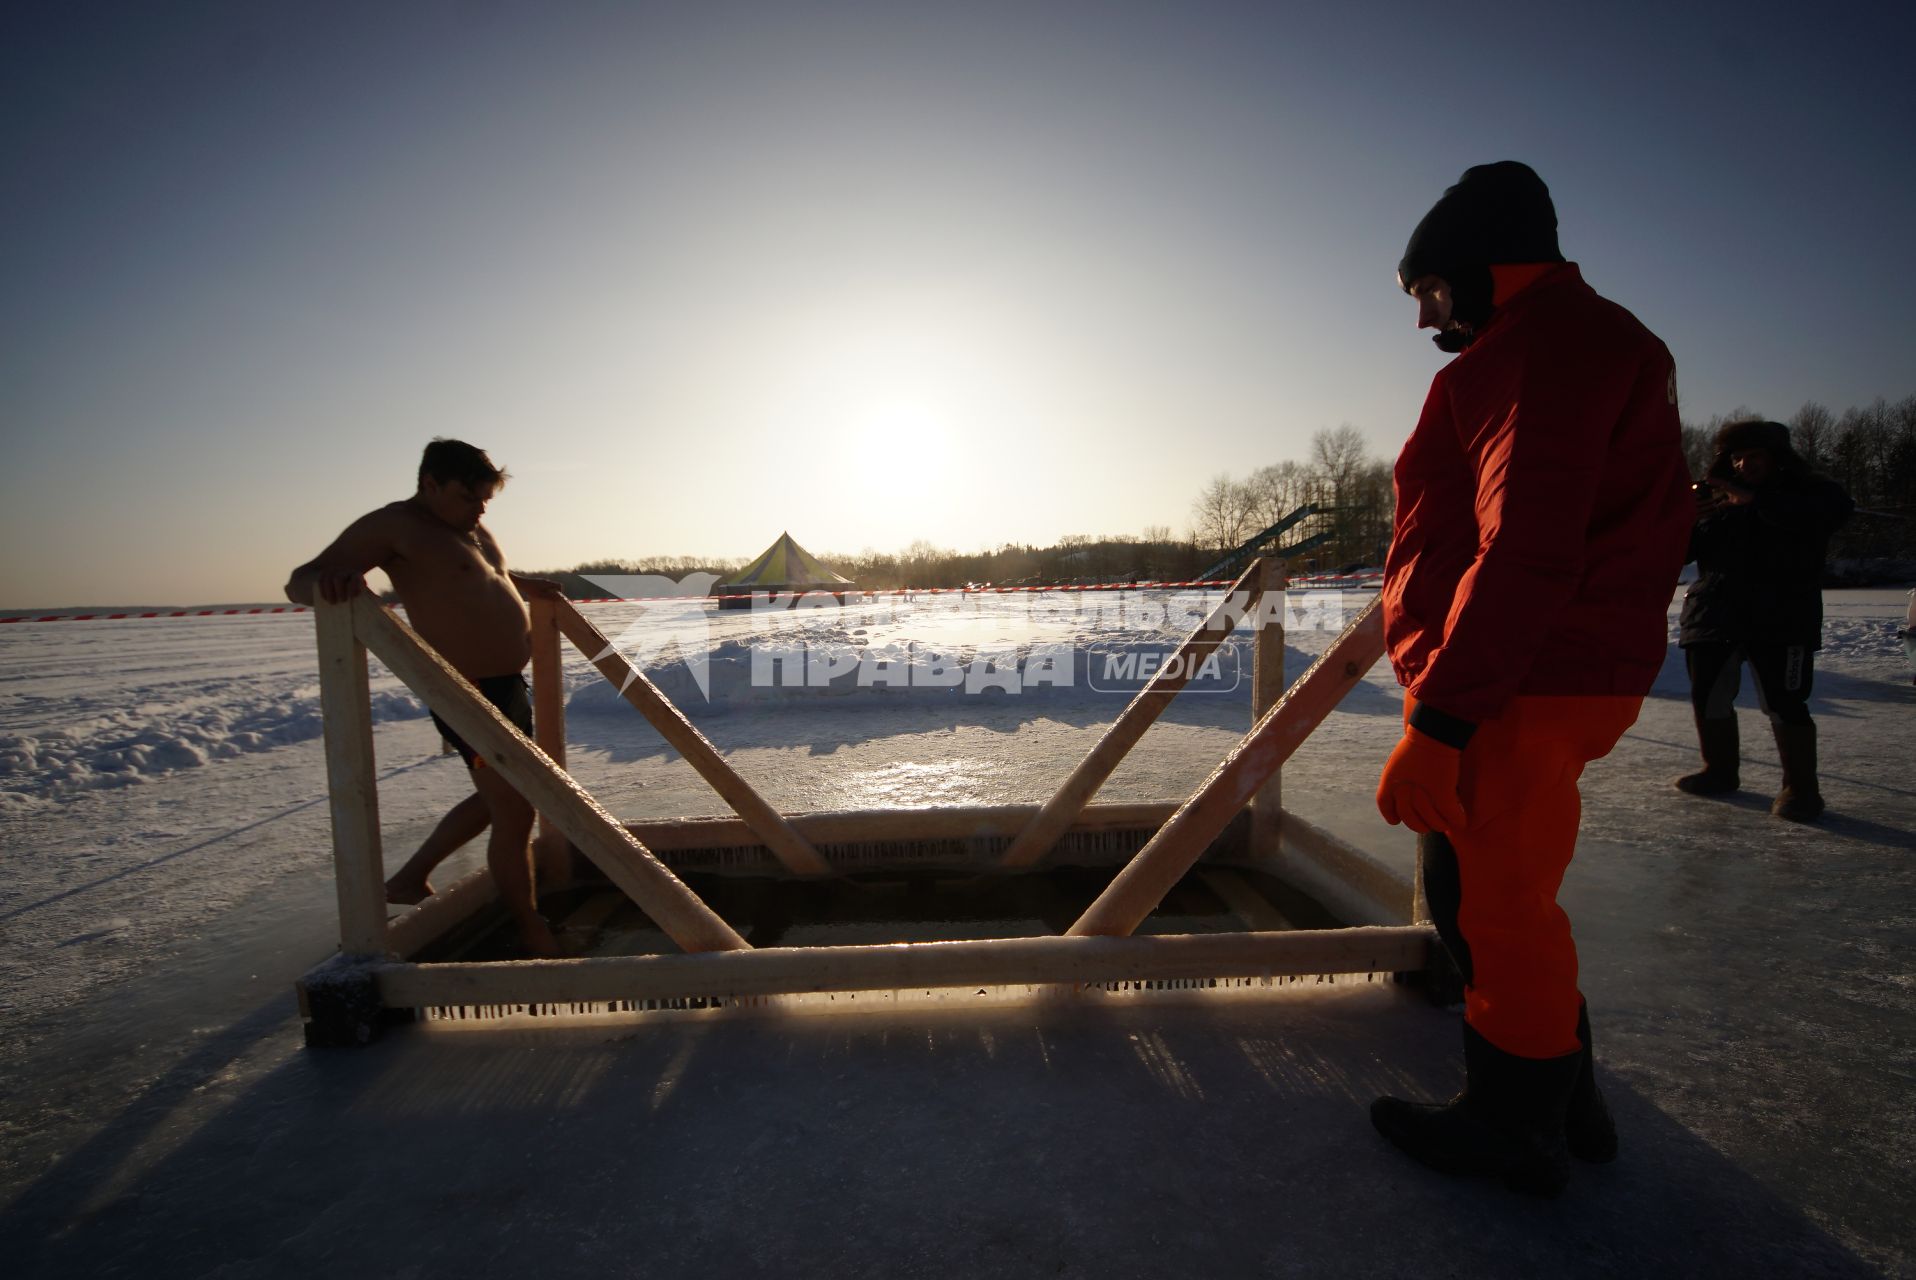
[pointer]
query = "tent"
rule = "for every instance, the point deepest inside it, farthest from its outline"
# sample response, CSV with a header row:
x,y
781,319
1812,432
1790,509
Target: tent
x,y
785,568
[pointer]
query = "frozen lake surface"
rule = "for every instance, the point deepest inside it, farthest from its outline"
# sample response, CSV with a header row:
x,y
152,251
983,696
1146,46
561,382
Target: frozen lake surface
x,y
168,877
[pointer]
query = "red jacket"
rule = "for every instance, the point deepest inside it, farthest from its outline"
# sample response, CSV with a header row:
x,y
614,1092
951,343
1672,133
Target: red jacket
x,y
1543,509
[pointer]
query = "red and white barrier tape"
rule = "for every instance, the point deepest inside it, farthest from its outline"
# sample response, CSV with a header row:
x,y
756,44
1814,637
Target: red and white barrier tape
x,y
918,591
156,613
1330,580
1327,580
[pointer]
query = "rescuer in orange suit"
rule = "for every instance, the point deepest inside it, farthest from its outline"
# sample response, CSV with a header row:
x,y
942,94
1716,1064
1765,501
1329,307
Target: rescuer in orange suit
x,y
1543,512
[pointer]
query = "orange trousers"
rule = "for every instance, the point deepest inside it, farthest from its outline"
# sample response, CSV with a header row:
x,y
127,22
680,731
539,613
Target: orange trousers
x,y
1492,886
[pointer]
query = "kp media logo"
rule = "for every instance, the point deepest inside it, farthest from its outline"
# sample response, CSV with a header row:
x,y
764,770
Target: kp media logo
x,y
1122,644
1128,670
672,621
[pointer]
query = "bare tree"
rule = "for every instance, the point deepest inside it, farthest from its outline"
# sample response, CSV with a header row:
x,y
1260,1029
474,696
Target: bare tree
x,y
1879,447
1860,440
1348,482
1699,447
1338,455
1276,491
1376,503
1899,486
1221,516
1810,432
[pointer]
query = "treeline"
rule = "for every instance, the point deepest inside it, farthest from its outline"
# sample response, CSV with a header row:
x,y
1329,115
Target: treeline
x,y
578,585
1153,556
1075,559
1871,452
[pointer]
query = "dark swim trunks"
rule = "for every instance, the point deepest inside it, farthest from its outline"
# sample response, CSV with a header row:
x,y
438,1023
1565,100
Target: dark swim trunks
x,y
510,695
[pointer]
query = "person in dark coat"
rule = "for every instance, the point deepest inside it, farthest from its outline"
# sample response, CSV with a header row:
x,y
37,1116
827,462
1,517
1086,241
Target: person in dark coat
x,y
1763,526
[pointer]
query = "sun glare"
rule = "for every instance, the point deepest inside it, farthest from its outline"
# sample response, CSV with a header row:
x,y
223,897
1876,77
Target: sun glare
x,y
904,402
900,456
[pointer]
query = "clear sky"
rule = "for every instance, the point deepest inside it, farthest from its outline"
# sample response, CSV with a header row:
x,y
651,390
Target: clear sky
x,y
973,273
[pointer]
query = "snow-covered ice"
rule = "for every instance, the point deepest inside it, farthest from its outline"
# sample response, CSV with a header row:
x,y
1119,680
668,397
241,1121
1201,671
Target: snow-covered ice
x,y
107,704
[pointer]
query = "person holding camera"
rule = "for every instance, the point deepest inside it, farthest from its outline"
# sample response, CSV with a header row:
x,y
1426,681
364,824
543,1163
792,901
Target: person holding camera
x,y
1763,526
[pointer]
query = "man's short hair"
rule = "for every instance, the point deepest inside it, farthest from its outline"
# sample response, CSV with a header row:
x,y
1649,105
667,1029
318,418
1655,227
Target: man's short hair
x,y
446,461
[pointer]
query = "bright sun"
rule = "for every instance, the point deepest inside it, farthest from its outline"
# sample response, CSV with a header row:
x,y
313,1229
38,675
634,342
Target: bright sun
x,y
908,395
904,456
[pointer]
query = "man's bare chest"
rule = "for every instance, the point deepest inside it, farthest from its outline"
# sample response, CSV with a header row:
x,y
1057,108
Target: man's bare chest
x,y
448,557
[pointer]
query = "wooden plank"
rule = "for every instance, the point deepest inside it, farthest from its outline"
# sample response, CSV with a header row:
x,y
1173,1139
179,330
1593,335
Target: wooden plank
x,y
948,822
1057,813
352,788
552,852
908,966
431,920
776,834
593,912
1243,900
1267,686
1142,884
629,864
1353,885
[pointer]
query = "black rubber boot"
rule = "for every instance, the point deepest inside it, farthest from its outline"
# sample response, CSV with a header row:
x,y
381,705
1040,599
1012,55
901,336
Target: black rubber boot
x,y
1800,799
1508,1123
1588,1130
1722,759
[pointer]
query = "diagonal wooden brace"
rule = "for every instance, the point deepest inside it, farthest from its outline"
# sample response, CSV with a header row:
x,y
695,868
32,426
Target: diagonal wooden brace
x,y
789,847
1062,809
547,787
1138,889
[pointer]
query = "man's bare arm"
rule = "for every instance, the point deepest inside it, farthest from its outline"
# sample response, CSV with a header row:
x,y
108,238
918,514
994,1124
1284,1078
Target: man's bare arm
x,y
339,572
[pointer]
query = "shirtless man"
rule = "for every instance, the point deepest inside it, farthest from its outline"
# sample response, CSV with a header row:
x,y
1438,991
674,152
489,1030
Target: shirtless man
x,y
461,598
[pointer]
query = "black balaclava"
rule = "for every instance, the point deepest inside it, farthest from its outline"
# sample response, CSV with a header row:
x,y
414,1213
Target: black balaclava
x,y
1497,213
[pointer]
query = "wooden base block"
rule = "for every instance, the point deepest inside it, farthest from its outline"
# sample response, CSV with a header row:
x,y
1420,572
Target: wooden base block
x,y
341,1003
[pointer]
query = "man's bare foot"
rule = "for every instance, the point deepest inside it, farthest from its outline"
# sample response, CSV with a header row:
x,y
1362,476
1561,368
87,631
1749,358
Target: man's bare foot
x,y
405,893
537,941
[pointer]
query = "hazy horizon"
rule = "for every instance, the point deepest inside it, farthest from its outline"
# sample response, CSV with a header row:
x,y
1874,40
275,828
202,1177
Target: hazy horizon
x,y
871,273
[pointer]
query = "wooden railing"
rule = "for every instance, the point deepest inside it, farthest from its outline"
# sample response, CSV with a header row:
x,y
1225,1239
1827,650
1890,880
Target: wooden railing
x,y
347,631
1092,950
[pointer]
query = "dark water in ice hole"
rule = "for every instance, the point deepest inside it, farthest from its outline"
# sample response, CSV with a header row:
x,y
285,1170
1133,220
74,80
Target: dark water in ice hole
x,y
596,919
